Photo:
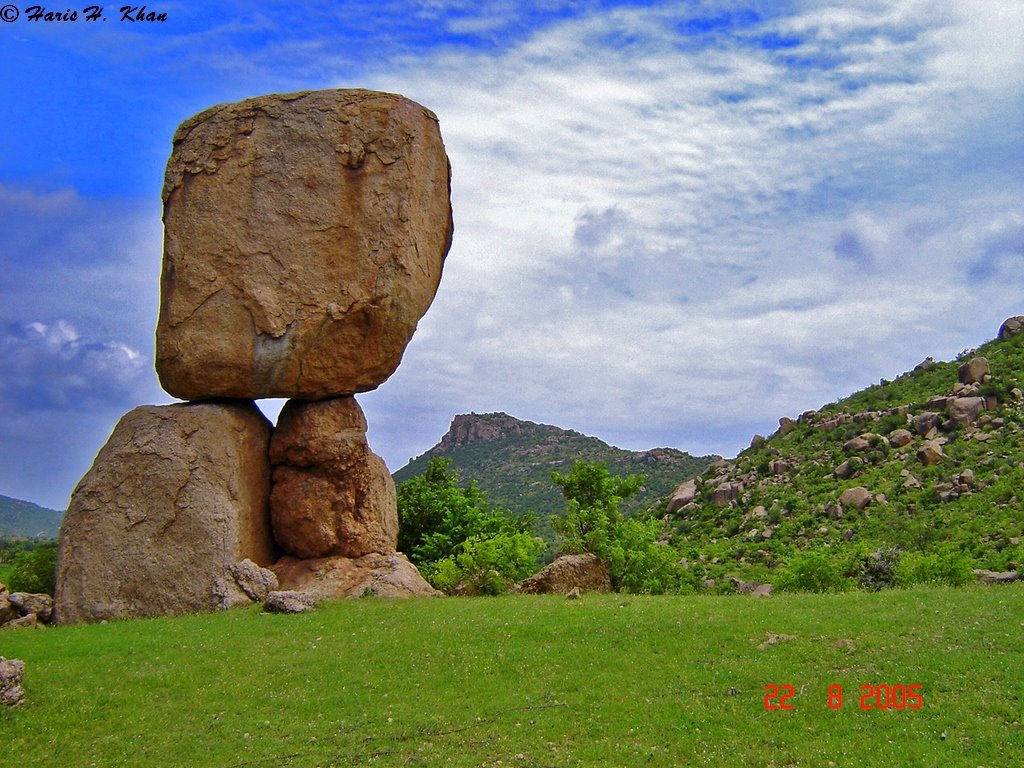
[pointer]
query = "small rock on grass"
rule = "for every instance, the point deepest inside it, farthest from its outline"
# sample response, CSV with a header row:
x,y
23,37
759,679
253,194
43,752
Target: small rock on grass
x,y
288,601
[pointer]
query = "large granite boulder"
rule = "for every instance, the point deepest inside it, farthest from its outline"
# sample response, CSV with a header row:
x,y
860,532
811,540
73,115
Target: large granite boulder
x,y
334,578
331,495
584,572
177,496
304,239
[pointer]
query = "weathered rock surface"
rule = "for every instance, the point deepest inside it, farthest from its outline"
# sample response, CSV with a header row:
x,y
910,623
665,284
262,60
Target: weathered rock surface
x,y
334,578
585,571
305,235
32,603
1011,327
973,371
900,437
331,495
288,601
683,495
12,672
995,577
857,497
930,453
243,583
177,496
966,410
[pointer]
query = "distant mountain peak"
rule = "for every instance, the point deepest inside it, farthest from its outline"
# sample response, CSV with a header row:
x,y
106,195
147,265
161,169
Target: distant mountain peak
x,y
469,428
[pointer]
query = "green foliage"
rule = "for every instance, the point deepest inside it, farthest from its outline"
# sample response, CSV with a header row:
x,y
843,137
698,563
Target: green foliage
x,y
593,522
812,572
34,570
950,568
457,539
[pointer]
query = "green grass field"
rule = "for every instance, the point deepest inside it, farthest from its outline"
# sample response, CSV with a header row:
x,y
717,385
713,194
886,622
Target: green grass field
x,y
606,680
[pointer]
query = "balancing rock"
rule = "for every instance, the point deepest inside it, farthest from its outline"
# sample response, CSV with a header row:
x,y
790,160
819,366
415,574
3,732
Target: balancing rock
x,y
305,235
331,495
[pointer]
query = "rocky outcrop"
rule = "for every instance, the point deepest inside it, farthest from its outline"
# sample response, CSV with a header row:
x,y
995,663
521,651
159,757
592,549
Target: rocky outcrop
x,y
12,672
1011,327
683,495
305,235
567,572
331,495
177,496
467,428
973,371
334,578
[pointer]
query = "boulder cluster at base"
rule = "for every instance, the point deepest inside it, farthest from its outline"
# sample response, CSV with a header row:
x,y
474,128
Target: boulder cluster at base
x,y
304,238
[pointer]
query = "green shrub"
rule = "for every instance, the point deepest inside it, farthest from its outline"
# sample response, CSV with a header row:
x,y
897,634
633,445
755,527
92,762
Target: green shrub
x,y
34,570
950,568
812,572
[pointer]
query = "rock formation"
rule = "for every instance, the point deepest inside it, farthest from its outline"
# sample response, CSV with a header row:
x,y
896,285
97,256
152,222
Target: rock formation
x,y
12,671
331,494
585,572
176,497
305,236
330,578
304,239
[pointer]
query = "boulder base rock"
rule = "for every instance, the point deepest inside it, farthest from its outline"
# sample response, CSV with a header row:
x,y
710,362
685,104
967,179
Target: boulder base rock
x,y
585,571
331,495
334,578
177,496
305,235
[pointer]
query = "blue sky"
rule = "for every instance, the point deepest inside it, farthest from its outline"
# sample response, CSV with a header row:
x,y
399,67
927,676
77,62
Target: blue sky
x,y
675,222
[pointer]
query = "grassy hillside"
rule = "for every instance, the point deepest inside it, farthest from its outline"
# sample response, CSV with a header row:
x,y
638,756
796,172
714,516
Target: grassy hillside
x,y
23,519
781,499
512,461
533,681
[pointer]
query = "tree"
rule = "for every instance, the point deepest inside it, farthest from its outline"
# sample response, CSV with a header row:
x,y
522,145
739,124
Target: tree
x,y
593,523
456,538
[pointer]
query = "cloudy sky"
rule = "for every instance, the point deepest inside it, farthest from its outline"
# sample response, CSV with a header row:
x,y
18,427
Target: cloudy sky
x,y
675,222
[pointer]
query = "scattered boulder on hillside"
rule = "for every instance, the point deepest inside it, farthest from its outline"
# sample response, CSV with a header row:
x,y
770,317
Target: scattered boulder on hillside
x,y
857,497
752,588
683,495
725,493
930,453
176,497
1011,327
845,471
857,444
900,437
925,423
973,371
12,673
305,235
585,571
335,578
966,410
331,495
786,425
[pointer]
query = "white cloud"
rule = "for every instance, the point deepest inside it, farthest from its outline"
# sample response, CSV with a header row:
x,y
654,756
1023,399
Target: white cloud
x,y
648,233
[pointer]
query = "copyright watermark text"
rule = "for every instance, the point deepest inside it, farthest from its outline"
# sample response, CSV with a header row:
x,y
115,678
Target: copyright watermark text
x,y
130,13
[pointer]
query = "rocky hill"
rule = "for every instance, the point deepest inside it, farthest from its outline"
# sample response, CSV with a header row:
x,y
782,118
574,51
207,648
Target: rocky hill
x,y
25,520
928,467
512,461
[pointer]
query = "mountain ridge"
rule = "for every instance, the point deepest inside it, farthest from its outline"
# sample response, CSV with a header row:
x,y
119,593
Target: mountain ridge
x,y
512,459
26,520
